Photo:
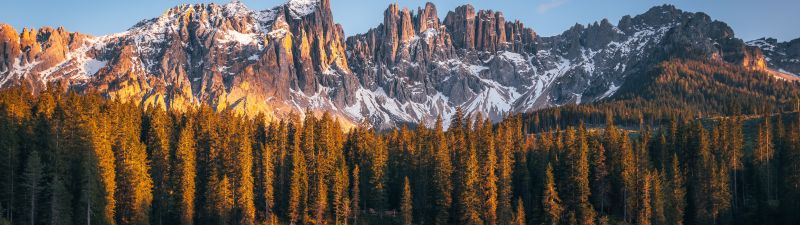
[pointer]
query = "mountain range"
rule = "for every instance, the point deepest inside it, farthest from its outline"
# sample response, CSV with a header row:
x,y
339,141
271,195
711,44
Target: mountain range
x,y
412,68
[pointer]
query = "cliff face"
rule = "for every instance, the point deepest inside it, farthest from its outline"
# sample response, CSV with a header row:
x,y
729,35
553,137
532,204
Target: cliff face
x,y
410,69
782,57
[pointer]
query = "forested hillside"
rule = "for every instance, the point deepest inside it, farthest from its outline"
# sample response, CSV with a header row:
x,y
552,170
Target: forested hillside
x,y
82,159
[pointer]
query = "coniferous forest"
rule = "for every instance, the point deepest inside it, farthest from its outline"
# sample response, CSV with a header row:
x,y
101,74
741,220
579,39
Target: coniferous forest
x,y
673,153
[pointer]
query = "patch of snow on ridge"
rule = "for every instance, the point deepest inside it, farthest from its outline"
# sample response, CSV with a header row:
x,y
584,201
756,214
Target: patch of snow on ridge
x,y
611,90
234,36
516,58
762,44
237,9
92,66
301,8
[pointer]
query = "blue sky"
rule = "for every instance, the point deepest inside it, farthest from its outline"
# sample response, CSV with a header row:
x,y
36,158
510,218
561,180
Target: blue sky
x,y
749,19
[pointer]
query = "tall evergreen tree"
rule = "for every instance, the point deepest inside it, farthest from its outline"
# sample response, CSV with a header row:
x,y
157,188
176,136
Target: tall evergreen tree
x,y
297,186
505,158
763,155
268,174
185,174
443,170
470,199
677,193
133,195
32,176
600,185
157,141
356,194
407,205
551,203
488,174
60,211
243,177
519,216
645,209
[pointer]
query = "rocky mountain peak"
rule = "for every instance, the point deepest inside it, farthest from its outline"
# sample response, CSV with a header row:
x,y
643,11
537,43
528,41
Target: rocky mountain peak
x,y
301,8
427,18
412,68
487,30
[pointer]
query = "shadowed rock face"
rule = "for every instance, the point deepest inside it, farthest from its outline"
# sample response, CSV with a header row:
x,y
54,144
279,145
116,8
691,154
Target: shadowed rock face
x,y
782,56
410,69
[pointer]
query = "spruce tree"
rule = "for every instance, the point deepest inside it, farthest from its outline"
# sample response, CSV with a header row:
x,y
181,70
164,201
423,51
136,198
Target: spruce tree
x,y
341,200
268,176
406,204
32,176
185,174
443,170
677,193
157,141
470,199
551,203
355,195
600,185
519,216
505,158
489,175
297,186
645,209
60,202
243,177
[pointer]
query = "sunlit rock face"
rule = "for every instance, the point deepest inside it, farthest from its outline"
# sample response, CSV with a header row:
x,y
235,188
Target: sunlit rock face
x,y
412,68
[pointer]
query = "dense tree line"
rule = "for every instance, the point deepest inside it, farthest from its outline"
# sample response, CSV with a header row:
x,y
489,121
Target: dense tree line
x,y
80,159
678,88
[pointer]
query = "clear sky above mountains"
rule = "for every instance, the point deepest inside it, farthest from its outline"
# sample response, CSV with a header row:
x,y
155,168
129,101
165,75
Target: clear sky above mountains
x,y
750,19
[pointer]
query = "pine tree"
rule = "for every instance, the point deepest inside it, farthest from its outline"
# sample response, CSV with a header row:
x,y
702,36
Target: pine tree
x,y
443,170
297,186
763,156
185,174
504,146
658,199
356,208
551,203
519,216
9,151
600,187
60,202
341,201
100,171
407,204
489,175
578,176
134,191
720,194
220,197
677,193
268,174
470,199
378,157
32,176
157,142
243,178
645,208
628,174
791,170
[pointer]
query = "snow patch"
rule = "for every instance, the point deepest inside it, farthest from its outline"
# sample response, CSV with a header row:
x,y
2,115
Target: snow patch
x,y
611,90
301,8
93,65
234,36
